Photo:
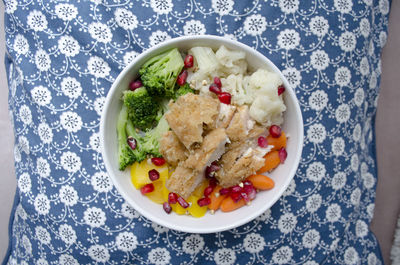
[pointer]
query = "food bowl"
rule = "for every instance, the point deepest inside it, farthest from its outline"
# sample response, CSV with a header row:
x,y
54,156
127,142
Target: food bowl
x,y
210,223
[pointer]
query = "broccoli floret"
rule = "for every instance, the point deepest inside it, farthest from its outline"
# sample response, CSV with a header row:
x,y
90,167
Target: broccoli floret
x,y
182,90
151,141
126,156
142,108
159,74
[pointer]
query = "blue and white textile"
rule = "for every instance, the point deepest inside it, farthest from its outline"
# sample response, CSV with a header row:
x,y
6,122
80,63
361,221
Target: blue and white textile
x,y
62,58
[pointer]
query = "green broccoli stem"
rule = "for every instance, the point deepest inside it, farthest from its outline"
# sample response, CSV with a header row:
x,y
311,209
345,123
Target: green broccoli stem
x,y
124,155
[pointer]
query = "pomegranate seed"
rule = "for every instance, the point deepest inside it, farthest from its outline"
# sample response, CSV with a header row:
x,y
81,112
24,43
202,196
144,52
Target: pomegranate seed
x,y
147,188
132,142
167,208
215,89
262,142
154,175
236,196
182,202
212,182
250,191
208,190
210,170
236,189
217,81
172,198
158,161
282,154
203,201
225,98
224,191
188,62
135,84
281,89
247,183
182,78
245,197
275,131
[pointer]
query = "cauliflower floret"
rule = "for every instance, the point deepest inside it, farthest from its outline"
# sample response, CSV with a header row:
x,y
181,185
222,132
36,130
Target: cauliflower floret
x,y
267,111
205,66
236,86
233,62
264,82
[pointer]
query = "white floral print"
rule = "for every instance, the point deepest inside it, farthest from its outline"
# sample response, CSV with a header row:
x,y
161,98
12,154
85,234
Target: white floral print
x,y
193,244
42,60
222,7
68,195
68,46
41,95
289,6
100,32
36,20
42,235
67,234
159,256
288,39
94,217
318,100
338,180
158,37
21,45
161,6
99,253
311,238
70,161
282,255
45,133
66,12
101,182
347,41
319,26
224,256
126,241
316,171
125,19
287,223
43,167
42,204
71,87
316,133
24,183
255,25
98,67
254,243
71,121
194,27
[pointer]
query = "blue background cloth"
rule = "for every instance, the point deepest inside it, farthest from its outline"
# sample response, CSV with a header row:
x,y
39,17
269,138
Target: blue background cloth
x,y
62,59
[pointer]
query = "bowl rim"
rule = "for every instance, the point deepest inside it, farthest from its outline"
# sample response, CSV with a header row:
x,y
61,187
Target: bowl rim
x,y
161,221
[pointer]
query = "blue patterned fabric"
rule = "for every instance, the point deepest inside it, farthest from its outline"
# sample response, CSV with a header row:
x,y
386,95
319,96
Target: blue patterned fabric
x,y
62,59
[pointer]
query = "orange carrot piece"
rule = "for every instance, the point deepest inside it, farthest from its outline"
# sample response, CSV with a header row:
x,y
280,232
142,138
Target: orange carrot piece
x,y
216,201
261,182
278,143
228,204
272,160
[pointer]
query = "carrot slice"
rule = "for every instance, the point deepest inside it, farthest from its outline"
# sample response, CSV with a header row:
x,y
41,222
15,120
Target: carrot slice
x,y
228,204
272,160
278,142
216,201
261,182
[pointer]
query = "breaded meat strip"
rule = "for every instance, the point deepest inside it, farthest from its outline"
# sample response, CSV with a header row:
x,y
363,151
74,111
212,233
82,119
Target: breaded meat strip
x,y
172,149
240,124
189,114
190,173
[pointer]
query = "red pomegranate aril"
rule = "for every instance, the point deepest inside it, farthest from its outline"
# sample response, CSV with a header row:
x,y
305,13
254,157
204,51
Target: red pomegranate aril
x,y
224,191
208,190
212,182
250,191
154,175
204,201
282,154
135,84
158,161
182,78
275,131
245,197
225,98
210,170
235,189
147,188
217,81
132,142
172,198
247,183
215,89
262,142
236,196
188,61
167,208
281,89
182,202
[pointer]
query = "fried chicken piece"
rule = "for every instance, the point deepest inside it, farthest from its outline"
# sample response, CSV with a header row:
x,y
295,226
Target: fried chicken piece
x,y
225,115
189,114
240,124
172,149
184,181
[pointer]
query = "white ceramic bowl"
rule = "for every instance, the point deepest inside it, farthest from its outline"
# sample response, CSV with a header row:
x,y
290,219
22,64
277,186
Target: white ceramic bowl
x,y
293,126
